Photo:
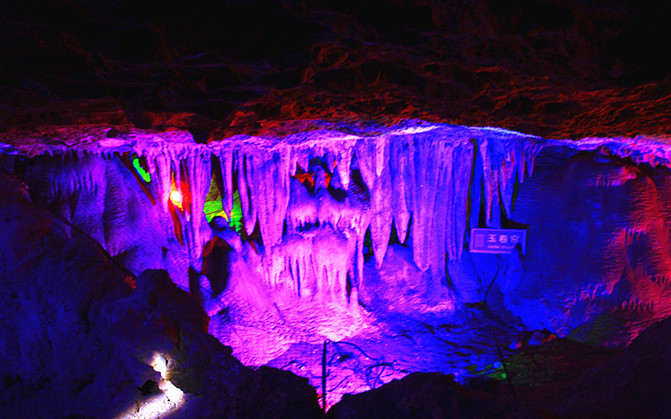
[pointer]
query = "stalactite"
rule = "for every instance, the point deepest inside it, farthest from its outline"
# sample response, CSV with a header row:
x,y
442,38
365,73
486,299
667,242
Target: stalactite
x,y
420,179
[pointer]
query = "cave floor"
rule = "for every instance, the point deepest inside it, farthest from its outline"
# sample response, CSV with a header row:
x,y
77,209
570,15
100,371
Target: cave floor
x,y
472,344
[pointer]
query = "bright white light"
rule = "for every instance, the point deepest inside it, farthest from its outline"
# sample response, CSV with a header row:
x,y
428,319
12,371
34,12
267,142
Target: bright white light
x,y
415,130
159,405
176,198
160,365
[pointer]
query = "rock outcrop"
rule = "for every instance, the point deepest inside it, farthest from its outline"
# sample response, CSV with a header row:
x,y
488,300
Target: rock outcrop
x,y
419,395
79,335
633,384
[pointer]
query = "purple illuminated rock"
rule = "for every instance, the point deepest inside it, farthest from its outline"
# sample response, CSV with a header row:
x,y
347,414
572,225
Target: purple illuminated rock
x,y
99,81
78,339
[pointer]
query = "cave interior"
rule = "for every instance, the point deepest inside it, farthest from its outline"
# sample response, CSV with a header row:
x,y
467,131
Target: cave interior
x,y
403,208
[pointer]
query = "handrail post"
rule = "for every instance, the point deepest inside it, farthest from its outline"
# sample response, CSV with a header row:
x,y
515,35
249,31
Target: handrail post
x,y
324,377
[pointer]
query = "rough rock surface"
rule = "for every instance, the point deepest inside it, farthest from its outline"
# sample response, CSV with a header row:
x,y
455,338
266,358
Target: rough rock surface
x,y
553,68
419,395
633,384
71,322
78,332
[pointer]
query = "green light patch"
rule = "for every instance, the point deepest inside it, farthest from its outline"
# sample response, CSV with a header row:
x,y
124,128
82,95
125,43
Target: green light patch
x,y
214,207
494,370
140,170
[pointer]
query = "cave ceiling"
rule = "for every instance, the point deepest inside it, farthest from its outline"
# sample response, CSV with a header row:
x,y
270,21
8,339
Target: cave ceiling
x,y
553,68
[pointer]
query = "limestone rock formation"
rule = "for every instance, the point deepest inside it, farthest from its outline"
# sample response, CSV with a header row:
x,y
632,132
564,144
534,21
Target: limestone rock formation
x,y
82,336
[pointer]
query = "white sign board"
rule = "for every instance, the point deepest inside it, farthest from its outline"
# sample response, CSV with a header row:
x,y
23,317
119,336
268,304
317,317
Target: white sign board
x,y
491,240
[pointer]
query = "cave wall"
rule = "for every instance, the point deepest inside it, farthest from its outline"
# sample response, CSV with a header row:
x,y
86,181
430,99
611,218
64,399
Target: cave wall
x,y
81,336
401,201
598,257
